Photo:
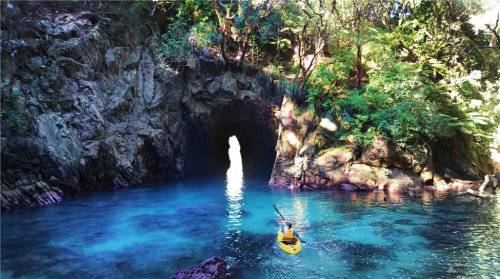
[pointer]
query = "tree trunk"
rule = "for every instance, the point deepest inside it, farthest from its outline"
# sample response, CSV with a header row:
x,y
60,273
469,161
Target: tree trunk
x,y
359,68
244,48
223,45
222,26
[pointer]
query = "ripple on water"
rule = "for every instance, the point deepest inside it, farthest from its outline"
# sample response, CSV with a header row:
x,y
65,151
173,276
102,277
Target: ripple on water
x,y
153,232
403,222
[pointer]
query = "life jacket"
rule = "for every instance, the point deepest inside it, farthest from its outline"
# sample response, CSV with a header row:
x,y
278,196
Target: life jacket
x,y
288,235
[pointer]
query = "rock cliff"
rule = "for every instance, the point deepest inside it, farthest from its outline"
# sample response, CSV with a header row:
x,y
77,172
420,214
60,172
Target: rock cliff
x,y
89,105
309,157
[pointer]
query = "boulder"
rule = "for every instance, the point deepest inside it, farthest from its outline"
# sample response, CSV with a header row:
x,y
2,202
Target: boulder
x,y
212,268
348,187
377,154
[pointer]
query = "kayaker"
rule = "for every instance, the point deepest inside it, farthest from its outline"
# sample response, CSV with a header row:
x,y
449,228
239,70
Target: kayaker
x,y
289,234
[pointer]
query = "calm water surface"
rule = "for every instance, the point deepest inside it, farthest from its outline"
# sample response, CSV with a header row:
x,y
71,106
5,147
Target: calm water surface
x,y
154,231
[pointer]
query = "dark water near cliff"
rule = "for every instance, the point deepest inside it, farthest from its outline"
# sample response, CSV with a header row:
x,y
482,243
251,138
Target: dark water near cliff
x,y
154,231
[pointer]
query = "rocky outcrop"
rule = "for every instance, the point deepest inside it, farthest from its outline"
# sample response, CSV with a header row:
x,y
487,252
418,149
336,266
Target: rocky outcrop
x,y
88,104
299,162
303,161
212,268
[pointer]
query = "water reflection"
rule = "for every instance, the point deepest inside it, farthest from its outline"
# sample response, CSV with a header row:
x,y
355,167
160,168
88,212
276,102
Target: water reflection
x,y
234,194
427,197
301,213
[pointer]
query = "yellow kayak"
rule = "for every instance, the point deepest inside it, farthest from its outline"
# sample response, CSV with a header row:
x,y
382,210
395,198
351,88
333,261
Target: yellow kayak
x,y
292,249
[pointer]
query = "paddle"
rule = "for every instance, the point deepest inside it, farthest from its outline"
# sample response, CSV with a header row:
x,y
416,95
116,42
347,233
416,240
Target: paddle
x,y
275,208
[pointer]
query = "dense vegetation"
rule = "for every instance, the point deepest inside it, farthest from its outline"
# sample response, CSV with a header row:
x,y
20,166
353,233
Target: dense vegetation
x,y
408,71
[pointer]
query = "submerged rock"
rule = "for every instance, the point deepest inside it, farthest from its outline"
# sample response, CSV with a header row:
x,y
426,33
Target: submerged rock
x,y
212,268
348,187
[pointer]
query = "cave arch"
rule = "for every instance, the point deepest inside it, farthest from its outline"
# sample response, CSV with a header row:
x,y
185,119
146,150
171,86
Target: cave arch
x,y
251,121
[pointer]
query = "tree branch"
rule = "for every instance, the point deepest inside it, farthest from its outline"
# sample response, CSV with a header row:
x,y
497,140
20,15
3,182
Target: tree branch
x,y
494,29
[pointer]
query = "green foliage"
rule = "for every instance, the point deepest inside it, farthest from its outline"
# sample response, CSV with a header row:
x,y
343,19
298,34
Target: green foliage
x,y
195,11
176,47
397,103
401,113
290,89
281,43
477,104
205,34
439,37
424,73
192,27
267,32
330,79
180,39
145,7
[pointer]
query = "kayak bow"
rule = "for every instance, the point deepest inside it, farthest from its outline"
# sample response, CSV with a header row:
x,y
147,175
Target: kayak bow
x,y
292,249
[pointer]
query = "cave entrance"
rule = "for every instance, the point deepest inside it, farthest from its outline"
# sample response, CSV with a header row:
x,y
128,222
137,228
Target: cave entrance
x,y
253,125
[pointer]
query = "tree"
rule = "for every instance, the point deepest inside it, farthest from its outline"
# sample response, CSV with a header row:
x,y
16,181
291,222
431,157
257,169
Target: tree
x,y
359,17
314,31
495,38
236,20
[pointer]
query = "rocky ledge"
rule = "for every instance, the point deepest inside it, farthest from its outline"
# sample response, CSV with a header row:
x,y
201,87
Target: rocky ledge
x,y
308,157
212,268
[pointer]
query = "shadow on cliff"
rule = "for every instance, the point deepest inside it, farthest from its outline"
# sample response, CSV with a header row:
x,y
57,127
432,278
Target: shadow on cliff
x,y
89,104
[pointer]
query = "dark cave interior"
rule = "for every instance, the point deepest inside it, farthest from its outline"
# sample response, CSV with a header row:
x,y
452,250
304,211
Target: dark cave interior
x,y
253,125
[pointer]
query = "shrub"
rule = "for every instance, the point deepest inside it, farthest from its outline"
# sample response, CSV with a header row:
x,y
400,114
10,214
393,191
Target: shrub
x,y
176,46
395,104
329,80
205,34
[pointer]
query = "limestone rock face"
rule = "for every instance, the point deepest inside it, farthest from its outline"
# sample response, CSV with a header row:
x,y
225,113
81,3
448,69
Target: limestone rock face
x,y
88,103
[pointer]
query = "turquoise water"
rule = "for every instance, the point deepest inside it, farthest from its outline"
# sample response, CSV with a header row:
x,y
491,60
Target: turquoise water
x,y
154,231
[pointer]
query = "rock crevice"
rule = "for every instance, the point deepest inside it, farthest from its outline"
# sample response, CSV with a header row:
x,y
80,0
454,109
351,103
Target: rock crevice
x,y
89,105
